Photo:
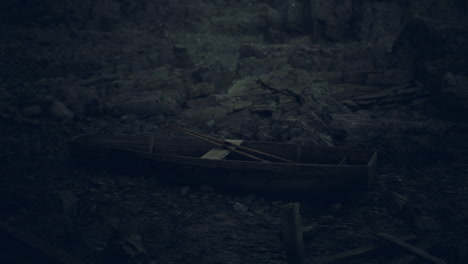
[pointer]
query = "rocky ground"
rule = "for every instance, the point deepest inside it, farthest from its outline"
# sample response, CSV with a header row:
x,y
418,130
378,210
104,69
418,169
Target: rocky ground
x,y
244,70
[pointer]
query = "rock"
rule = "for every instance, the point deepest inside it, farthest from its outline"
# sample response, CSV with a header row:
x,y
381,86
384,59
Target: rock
x,y
398,202
274,19
203,90
204,102
294,17
424,224
388,78
31,111
251,50
184,191
184,59
203,115
331,19
128,118
331,77
240,208
210,124
310,231
60,111
355,77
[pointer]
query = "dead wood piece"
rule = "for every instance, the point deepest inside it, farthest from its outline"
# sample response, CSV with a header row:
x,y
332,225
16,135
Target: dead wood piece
x,y
415,250
28,245
408,258
292,233
354,252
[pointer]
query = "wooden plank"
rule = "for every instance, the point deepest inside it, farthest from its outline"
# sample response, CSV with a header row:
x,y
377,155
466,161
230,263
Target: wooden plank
x,y
292,233
354,252
27,246
218,153
421,253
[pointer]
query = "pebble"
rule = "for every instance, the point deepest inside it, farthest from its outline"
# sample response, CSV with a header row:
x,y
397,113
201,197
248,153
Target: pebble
x,y
240,208
184,191
60,111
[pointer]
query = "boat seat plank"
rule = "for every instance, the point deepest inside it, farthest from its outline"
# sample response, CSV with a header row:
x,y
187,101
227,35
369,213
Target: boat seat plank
x,y
218,153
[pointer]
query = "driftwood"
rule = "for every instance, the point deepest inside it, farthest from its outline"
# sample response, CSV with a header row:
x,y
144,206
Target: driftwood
x,y
292,233
417,251
354,252
408,258
21,246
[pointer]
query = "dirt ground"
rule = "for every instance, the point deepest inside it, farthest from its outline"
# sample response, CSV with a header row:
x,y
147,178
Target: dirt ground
x,y
56,85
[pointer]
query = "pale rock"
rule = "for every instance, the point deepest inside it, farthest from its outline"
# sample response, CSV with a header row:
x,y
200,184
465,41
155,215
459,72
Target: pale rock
x,y
60,111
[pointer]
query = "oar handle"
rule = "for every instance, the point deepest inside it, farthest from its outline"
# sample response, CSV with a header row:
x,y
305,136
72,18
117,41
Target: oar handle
x,y
227,143
218,144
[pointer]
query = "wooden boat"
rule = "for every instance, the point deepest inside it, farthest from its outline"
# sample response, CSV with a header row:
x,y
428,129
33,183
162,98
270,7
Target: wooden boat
x,y
190,161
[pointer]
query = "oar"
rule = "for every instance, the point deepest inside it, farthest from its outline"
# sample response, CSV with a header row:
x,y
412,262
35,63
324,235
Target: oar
x,y
221,145
228,143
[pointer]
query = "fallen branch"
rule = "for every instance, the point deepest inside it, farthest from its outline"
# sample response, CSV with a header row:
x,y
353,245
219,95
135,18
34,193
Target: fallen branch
x,y
354,252
417,251
408,258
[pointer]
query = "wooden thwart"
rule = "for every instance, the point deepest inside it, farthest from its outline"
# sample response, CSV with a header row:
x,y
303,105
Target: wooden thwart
x,y
218,153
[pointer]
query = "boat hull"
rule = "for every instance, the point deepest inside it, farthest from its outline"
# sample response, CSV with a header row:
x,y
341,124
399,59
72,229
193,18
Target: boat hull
x,y
230,173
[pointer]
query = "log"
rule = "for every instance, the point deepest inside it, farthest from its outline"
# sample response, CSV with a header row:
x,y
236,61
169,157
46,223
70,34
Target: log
x,y
354,252
417,251
292,233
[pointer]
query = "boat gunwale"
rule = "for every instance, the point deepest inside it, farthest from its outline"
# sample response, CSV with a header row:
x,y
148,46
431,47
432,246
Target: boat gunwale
x,y
152,155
